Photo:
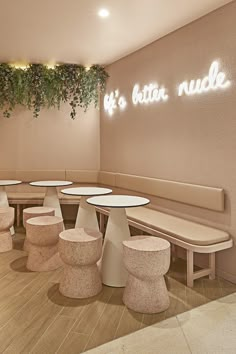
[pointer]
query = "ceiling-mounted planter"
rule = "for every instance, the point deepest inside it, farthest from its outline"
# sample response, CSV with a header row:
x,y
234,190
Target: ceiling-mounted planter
x,y
38,86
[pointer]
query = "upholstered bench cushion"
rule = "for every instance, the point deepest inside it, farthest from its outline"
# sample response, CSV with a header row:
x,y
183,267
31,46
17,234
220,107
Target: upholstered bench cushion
x,y
25,196
184,230
36,196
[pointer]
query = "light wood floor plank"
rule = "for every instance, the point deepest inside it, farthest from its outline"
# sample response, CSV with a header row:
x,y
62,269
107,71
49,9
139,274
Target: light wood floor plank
x,y
93,311
213,289
54,335
73,344
227,287
108,323
75,307
22,318
130,322
30,332
34,316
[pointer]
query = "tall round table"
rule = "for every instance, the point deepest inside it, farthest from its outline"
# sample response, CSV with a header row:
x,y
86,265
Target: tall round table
x,y
86,216
112,267
3,194
51,197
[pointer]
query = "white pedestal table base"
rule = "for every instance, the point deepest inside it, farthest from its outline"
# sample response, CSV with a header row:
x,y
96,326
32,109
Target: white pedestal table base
x,y
51,200
112,267
86,216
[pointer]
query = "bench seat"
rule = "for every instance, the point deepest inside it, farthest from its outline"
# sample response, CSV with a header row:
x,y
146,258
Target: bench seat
x,y
30,197
192,236
185,230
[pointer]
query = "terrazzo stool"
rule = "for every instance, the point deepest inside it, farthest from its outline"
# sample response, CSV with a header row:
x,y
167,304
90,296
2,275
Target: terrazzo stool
x,y
33,212
43,236
79,250
146,259
6,222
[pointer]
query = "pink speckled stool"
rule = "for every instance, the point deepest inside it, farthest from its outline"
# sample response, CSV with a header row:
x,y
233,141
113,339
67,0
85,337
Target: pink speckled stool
x,y
43,235
146,259
33,212
6,221
80,249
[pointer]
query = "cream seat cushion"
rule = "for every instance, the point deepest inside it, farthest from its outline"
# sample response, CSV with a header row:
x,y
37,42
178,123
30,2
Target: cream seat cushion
x,y
38,196
25,195
184,230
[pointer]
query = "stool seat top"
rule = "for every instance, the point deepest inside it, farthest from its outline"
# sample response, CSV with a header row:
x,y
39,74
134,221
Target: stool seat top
x,y
80,235
147,243
45,220
5,210
39,209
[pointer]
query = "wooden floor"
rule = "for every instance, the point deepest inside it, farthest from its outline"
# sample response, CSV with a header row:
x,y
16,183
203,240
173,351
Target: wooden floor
x,y
36,318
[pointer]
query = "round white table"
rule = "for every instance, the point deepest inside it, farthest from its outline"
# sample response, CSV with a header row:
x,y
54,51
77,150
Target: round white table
x,y
3,194
51,196
113,270
86,216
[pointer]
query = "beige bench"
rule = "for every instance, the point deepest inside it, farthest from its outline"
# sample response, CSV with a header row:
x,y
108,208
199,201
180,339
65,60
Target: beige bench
x,y
192,236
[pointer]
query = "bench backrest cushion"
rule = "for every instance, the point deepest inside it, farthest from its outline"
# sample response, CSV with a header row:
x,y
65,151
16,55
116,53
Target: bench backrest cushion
x,y
38,175
7,174
202,196
107,178
82,176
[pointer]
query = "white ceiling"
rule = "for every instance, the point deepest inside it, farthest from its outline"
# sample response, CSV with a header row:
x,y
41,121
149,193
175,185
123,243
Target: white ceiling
x,y
71,31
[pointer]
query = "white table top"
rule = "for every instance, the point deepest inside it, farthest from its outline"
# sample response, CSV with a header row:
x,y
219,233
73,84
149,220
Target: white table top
x,y
118,201
50,183
86,191
9,182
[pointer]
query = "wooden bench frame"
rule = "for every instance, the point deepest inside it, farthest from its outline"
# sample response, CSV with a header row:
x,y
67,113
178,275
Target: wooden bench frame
x,y
175,241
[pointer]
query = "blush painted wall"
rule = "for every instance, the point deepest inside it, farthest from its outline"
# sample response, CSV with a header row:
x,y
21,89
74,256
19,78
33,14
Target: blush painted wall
x,y
50,142
187,139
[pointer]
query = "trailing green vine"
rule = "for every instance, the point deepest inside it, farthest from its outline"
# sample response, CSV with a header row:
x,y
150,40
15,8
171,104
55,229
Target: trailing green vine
x,y
38,87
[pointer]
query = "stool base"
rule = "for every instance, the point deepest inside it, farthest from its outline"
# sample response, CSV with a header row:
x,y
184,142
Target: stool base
x,y
146,296
80,282
5,241
43,259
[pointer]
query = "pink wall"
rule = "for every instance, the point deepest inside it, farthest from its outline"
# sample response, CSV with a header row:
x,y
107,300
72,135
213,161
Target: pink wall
x,y
52,141
187,139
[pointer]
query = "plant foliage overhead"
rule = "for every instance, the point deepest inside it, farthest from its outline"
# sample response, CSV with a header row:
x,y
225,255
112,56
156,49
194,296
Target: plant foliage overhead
x,y
39,86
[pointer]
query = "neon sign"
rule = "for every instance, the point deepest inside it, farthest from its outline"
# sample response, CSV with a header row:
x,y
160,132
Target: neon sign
x,y
153,93
149,94
214,80
113,101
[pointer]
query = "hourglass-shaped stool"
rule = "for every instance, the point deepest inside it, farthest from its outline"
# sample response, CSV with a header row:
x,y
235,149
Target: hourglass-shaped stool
x,y
34,212
43,236
80,249
146,259
6,222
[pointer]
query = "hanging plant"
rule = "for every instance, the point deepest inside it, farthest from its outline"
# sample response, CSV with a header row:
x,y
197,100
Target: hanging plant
x,y
38,87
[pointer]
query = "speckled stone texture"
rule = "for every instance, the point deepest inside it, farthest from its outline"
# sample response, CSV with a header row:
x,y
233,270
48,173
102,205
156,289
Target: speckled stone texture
x,y
80,249
6,221
146,259
43,235
33,212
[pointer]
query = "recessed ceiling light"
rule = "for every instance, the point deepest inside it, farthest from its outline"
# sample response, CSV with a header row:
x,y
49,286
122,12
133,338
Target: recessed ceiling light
x,y
103,13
